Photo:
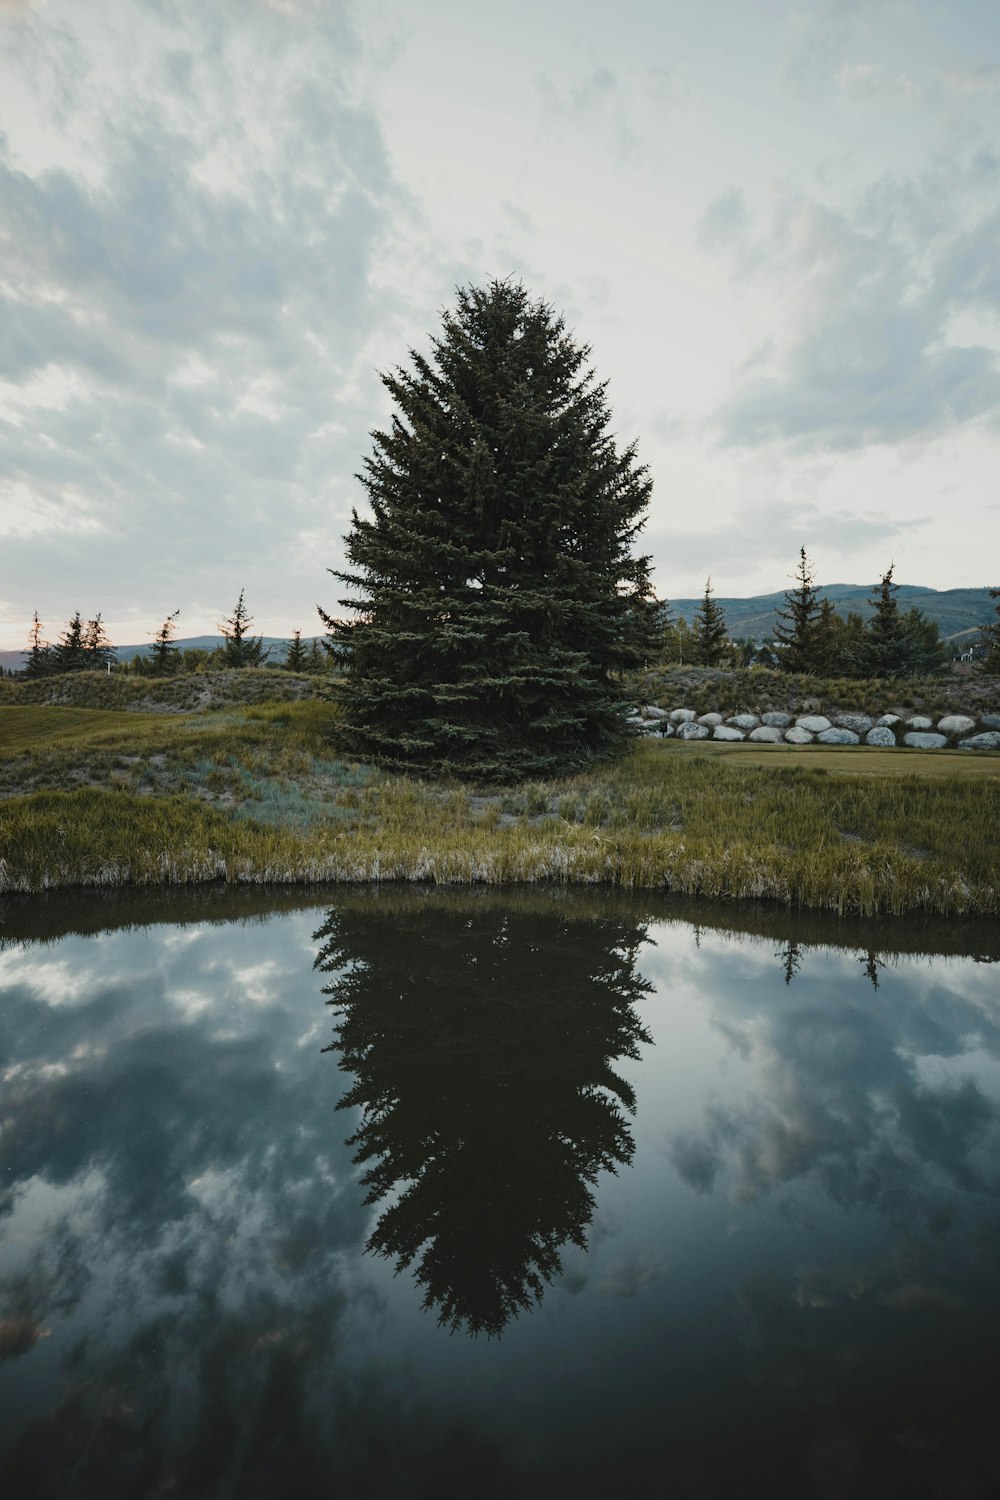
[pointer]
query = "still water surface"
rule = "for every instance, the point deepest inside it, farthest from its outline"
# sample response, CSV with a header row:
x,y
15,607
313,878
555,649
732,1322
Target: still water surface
x,y
420,1194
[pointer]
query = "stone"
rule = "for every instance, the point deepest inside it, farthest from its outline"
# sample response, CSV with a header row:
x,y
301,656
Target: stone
x,y
681,715
814,723
724,732
838,737
887,720
990,721
768,734
880,735
652,712
689,731
956,724
775,720
990,740
920,721
745,722
798,736
919,740
860,723
710,720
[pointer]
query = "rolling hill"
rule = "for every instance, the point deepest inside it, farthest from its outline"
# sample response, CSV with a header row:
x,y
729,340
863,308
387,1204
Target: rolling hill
x,y
955,610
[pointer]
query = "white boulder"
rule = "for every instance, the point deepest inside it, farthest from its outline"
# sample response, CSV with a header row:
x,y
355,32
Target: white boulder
x,y
956,724
767,734
681,715
813,723
988,740
798,736
920,740
838,737
690,731
880,735
724,732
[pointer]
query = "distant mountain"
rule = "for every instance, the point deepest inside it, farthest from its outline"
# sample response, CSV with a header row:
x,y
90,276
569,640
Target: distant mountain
x,y
955,610
278,644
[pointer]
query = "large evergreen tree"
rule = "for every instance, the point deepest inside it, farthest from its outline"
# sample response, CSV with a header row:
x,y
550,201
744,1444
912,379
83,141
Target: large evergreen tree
x,y
798,625
497,594
710,644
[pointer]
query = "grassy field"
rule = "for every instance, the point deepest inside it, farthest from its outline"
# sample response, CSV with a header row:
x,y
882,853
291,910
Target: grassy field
x,y
259,794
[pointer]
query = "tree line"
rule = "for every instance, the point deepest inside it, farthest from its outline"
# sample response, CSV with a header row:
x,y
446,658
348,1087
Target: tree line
x,y
85,646
811,637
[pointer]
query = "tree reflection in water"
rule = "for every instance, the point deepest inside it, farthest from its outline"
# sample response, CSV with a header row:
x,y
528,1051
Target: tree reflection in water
x,y
483,1051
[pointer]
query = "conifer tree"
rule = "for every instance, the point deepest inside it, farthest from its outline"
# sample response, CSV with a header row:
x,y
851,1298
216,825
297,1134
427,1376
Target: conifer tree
x,y
710,643
164,650
39,654
97,647
316,661
991,638
797,624
496,592
296,658
886,642
827,640
70,654
242,649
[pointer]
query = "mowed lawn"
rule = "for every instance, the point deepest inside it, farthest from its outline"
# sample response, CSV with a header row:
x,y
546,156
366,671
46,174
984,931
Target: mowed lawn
x,y
849,760
28,728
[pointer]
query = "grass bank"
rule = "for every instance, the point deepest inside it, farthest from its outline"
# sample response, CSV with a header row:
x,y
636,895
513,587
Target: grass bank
x,y
258,795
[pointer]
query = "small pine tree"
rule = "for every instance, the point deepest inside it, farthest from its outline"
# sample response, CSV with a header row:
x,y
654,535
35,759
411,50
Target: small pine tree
x,y
99,651
164,650
317,660
886,638
241,649
710,640
797,624
38,661
70,653
991,638
827,640
296,657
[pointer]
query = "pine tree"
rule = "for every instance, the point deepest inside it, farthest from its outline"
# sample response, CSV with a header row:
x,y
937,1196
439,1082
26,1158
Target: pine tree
x,y
886,637
710,643
39,655
296,658
317,660
991,638
827,640
164,650
497,593
98,650
241,649
70,654
797,624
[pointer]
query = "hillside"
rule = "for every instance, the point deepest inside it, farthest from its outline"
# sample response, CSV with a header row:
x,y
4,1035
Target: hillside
x,y
954,610
277,645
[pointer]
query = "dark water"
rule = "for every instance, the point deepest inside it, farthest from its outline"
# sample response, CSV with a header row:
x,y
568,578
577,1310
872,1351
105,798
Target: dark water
x,y
428,1195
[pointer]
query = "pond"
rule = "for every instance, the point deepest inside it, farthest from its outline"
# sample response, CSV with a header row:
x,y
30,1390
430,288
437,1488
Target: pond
x,y
415,1193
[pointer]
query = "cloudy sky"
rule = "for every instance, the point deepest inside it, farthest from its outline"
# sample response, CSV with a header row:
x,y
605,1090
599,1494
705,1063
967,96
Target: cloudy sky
x,y
777,226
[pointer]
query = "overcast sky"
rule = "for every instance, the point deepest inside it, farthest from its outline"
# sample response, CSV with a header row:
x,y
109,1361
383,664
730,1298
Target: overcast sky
x,y
777,225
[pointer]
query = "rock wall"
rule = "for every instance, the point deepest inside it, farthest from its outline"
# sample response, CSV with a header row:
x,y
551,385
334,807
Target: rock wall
x,y
953,731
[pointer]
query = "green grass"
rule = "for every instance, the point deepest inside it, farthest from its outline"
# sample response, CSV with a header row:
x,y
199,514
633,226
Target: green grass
x,y
259,795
